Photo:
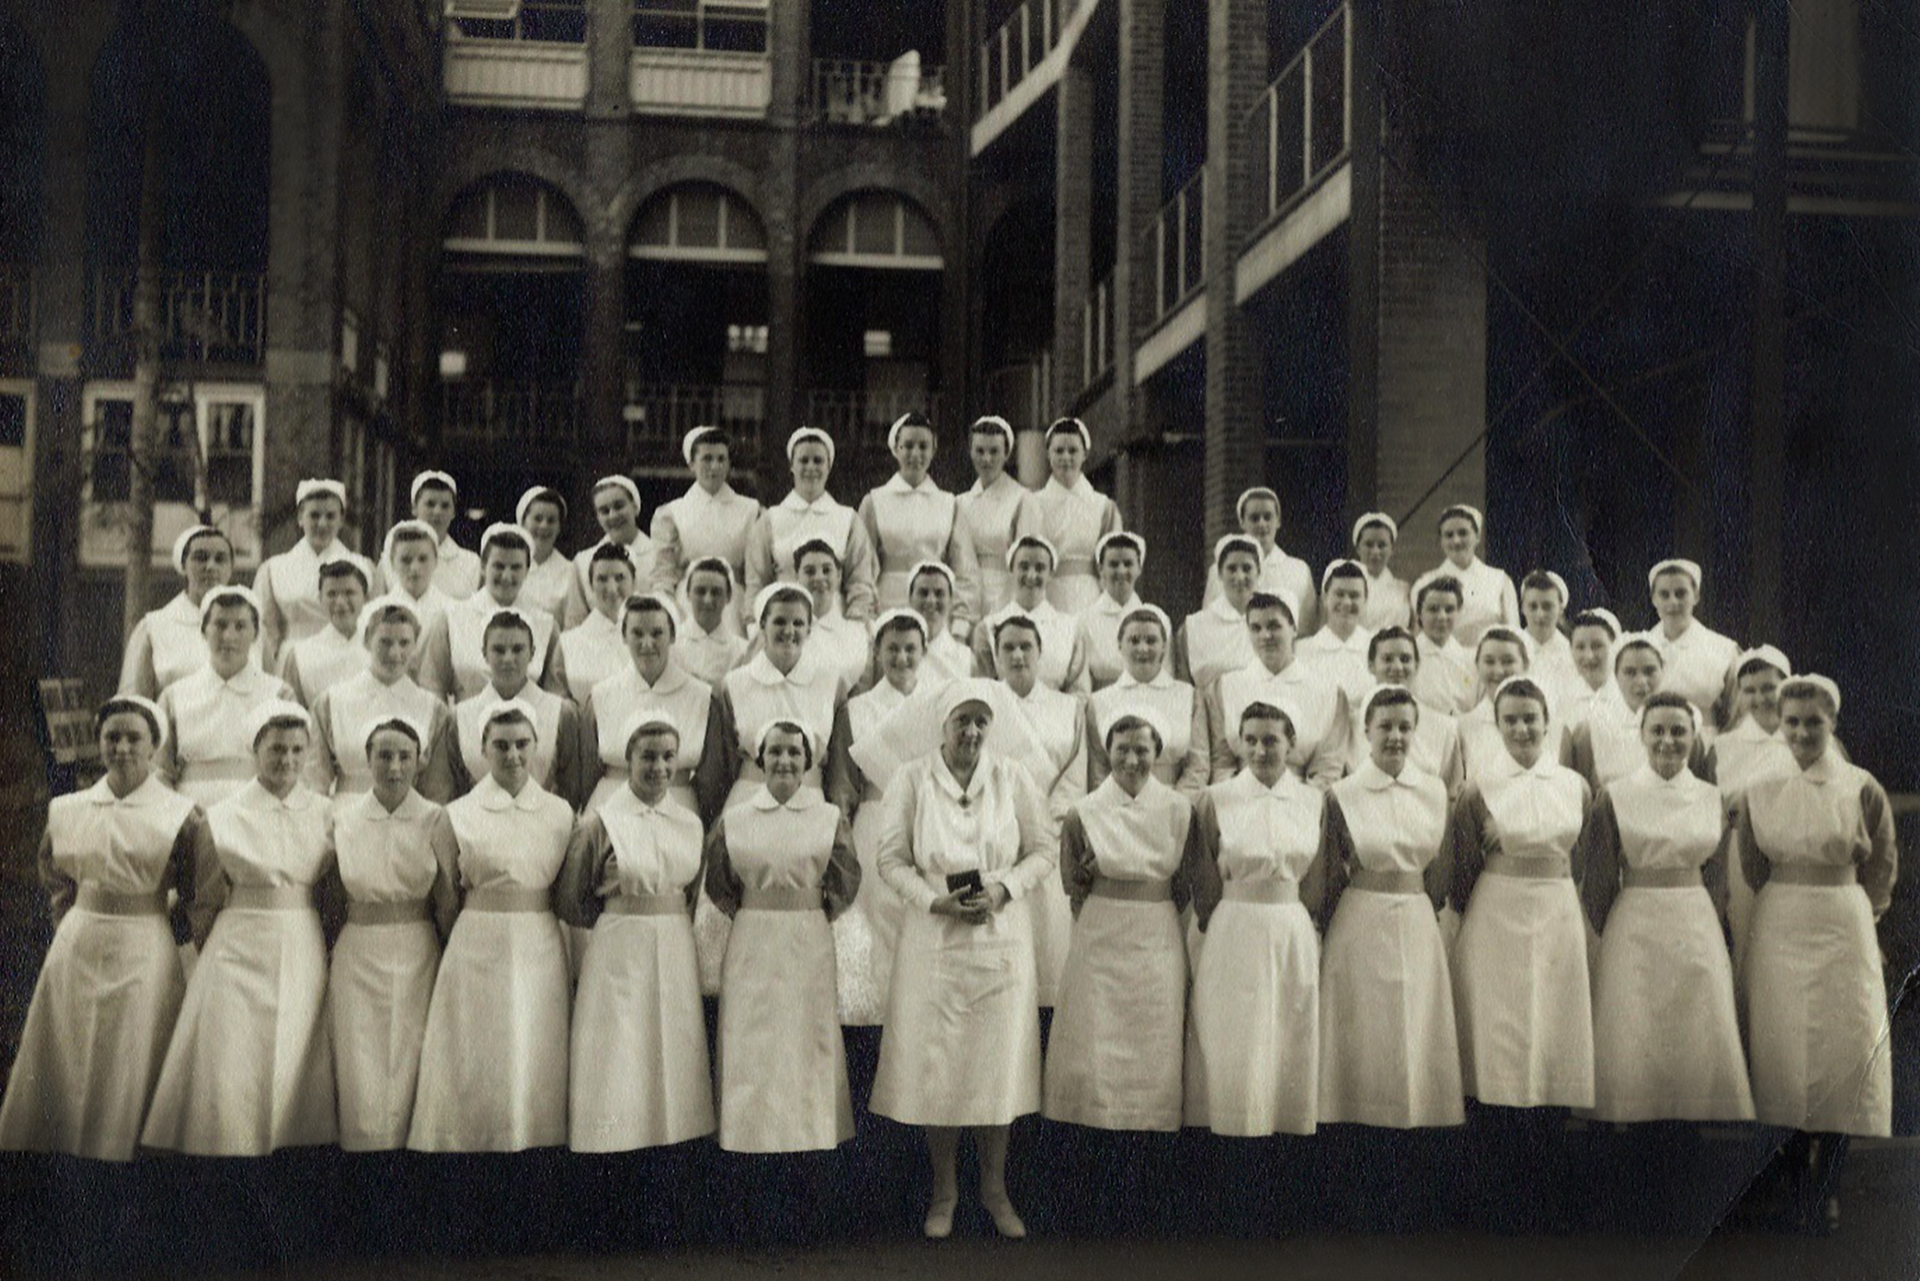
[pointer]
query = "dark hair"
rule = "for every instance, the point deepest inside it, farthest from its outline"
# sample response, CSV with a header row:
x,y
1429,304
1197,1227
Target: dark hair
x,y
553,496
648,604
1591,618
913,418
785,723
415,534
228,602
120,706
1267,600
1242,543
394,723
282,722
343,569
512,716
1504,635
712,436
509,620
609,552
1537,581
1442,583
206,531
1389,697
1754,664
1021,621
1393,633
394,614
1071,424
1523,687
1637,642
1127,539
815,547
510,540
431,482
1127,724
1259,711
1345,569
712,565
902,622
1667,698
1145,615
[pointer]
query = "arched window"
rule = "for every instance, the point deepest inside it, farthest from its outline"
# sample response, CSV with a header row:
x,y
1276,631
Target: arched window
x,y
875,229
698,222
514,216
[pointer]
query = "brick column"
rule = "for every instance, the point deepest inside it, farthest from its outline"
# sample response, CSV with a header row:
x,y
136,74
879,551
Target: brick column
x,y
609,59
1072,224
786,239
603,438
1236,435
1142,66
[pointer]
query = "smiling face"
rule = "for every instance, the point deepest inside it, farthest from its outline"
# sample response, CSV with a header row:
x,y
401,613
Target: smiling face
x,y
433,505
1496,660
1374,549
913,452
209,561
1264,744
810,465
509,653
988,450
1260,520
1459,539
1390,730
277,756
1437,613
1271,632
963,735
901,650
1119,571
1807,725
1066,456
1032,571
1343,601
542,522
1523,726
1144,647
820,575
612,582
1591,645
1638,673
1132,753
127,747
394,759
618,514
1674,598
708,591
1394,662
343,597
1016,654
505,569
390,649
648,634
414,562
785,628
1760,696
784,758
712,465
231,629
320,517
508,746
1667,734
1239,573
650,761
931,596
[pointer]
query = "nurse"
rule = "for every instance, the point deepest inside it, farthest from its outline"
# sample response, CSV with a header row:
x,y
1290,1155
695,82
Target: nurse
x,y
1606,745
835,642
930,591
910,519
288,585
1818,848
1654,852
493,1064
593,650
434,496
1389,1055
990,512
1056,725
808,512
1145,683
408,559
1070,515
542,512
1032,560
1258,512
1118,558
781,864
1520,982
312,666
1130,857
1502,653
204,752
1445,681
1317,707
708,642
1255,1062
392,849
1339,649
632,874
1214,641
1752,751
250,1067
166,643
1393,658
1543,608
1592,640
107,996
453,663
965,835
1487,595
616,505
784,682
711,521
1695,656
1389,603
554,757
337,764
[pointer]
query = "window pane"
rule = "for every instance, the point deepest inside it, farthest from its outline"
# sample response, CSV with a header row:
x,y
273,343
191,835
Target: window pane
x,y
743,227
173,462
513,212
920,240
13,421
830,236
112,430
873,226
651,228
736,35
699,216
230,432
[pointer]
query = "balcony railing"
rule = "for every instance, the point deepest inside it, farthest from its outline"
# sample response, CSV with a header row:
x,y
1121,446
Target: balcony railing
x,y
861,418
16,306
1303,122
491,411
1096,333
700,82
659,415
1178,248
206,317
551,75
877,93
1021,44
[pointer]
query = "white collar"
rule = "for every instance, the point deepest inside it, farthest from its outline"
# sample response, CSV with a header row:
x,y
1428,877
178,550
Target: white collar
x,y
412,806
1375,779
151,790
243,682
1104,603
999,485
943,778
821,506
1116,796
256,797
804,799
1082,488
725,495
1828,768
762,670
897,484
1160,681
624,801
1223,609
1507,767
495,798
181,610
1284,787
598,621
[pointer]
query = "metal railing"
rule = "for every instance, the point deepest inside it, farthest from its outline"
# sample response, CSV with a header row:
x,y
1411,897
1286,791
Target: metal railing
x,y
1096,332
556,21
16,304
876,93
659,415
861,418
1178,247
1027,36
1303,123
491,411
209,317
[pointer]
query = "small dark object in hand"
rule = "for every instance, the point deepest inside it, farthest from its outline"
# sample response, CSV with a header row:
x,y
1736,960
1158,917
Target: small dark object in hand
x,y
969,880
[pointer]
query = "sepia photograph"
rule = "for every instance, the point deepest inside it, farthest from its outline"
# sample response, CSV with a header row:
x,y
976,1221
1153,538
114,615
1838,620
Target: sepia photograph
x,y
938,638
